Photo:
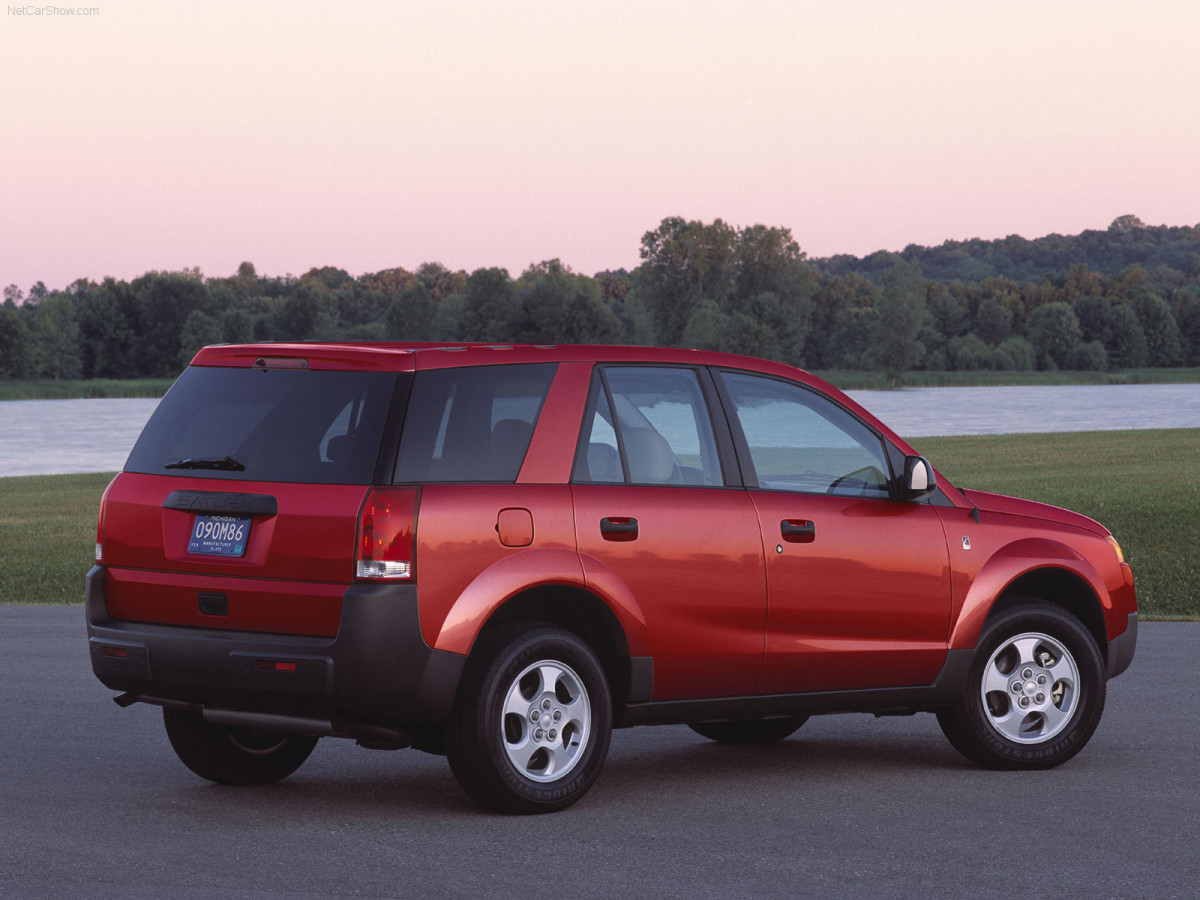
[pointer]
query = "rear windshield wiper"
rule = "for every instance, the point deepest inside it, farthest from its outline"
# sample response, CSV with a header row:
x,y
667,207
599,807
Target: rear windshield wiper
x,y
200,462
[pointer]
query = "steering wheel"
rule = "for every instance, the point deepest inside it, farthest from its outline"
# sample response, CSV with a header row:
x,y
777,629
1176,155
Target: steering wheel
x,y
868,476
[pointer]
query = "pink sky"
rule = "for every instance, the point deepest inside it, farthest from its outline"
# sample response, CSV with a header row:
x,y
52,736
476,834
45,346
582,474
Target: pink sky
x,y
377,134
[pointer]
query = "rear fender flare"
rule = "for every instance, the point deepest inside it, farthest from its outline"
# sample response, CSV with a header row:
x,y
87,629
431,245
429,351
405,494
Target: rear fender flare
x,y
503,580
1007,565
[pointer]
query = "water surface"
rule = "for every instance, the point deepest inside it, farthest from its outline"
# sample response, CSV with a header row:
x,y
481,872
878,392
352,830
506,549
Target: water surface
x,y
42,437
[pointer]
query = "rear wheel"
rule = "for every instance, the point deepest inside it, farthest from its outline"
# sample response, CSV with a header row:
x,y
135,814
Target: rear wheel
x,y
757,731
1035,693
229,755
531,726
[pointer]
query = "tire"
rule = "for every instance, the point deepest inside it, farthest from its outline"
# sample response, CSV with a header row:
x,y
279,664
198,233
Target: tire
x,y
1035,692
240,756
502,758
757,731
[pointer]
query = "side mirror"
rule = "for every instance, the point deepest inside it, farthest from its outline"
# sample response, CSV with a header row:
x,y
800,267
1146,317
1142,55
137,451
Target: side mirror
x,y
919,479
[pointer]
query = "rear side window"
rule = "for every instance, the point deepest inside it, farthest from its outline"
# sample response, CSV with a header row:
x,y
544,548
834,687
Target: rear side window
x,y
655,430
303,426
471,424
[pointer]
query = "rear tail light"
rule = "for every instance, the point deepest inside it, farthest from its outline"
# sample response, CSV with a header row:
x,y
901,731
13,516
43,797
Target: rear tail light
x,y
100,520
385,535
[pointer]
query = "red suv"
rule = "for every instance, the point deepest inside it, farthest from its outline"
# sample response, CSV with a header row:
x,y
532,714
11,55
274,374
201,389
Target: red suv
x,y
501,553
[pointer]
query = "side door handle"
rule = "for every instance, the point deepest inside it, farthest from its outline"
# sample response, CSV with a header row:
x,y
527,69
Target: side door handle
x,y
619,528
798,531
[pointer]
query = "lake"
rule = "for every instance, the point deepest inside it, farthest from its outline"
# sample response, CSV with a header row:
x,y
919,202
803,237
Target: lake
x,y
44,437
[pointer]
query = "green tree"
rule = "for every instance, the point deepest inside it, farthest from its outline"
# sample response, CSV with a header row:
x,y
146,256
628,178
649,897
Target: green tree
x,y
56,337
163,301
1187,314
493,310
199,330
440,281
1095,319
308,313
1125,224
834,299
586,319
237,326
544,291
901,315
14,343
969,353
108,339
1088,357
1020,353
246,280
706,327
410,315
684,263
1054,332
1158,324
448,321
773,288
852,346
948,312
749,335
1080,283
1127,342
637,325
993,322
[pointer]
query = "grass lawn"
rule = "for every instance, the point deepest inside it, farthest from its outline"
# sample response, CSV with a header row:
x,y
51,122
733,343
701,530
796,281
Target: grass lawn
x,y
848,380
74,389
1144,485
47,536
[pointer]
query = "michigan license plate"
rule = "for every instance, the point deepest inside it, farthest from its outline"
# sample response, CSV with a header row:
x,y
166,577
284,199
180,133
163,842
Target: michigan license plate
x,y
219,535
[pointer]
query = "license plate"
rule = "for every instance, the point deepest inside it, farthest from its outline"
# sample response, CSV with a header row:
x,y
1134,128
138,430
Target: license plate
x,y
219,535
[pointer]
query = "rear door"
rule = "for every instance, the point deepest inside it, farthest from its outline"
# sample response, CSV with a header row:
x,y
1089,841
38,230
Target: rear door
x,y
653,513
238,506
858,584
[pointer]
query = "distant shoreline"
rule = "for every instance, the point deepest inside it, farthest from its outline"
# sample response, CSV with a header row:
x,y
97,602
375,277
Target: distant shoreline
x,y
846,380
83,389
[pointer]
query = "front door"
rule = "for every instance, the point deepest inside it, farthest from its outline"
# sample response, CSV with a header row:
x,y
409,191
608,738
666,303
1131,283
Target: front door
x,y
858,584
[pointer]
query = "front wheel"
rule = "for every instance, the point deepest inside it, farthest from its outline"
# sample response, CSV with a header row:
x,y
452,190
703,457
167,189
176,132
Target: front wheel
x,y
229,755
531,726
1035,692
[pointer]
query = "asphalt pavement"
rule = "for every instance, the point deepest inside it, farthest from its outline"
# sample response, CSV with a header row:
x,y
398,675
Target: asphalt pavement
x,y
93,803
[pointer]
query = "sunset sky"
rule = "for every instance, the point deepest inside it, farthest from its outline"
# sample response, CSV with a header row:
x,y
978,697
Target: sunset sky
x,y
377,134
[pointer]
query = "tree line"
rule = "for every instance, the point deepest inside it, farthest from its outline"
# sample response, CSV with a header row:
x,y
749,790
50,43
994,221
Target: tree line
x,y
707,285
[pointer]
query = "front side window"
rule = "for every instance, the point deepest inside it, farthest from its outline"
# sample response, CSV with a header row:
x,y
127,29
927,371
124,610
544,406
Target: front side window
x,y
801,441
648,425
471,424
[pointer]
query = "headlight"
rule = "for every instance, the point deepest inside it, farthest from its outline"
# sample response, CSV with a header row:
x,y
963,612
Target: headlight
x,y
1112,542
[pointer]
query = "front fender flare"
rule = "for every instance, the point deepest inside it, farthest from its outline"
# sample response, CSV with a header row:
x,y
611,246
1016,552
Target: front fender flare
x,y
1004,567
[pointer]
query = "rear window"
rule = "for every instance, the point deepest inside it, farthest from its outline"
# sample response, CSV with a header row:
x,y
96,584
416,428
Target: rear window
x,y
471,424
274,425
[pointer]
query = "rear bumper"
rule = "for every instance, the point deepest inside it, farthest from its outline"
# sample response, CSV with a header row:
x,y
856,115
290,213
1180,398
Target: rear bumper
x,y
377,670
1120,648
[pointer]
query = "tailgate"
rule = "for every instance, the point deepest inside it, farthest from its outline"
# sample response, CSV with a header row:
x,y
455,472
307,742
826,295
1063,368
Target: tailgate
x,y
297,559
